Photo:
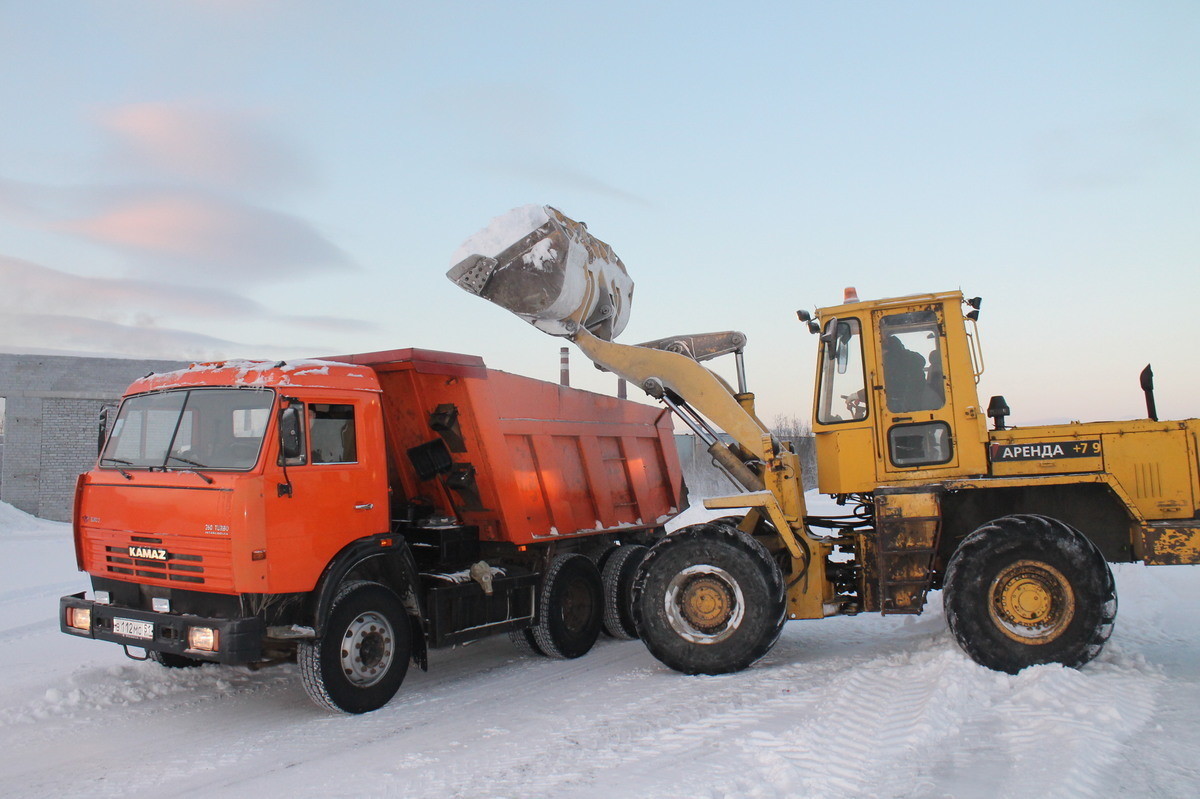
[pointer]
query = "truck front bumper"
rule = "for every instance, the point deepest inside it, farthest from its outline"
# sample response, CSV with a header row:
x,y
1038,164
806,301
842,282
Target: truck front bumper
x,y
237,641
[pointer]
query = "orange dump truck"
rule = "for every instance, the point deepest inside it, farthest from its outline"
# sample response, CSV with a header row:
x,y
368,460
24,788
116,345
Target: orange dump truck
x,y
354,512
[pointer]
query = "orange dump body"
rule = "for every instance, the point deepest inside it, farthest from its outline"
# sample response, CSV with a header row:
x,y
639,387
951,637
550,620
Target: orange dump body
x,y
522,459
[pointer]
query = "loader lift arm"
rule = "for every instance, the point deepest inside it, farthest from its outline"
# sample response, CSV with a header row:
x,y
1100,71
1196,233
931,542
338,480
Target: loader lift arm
x,y
708,607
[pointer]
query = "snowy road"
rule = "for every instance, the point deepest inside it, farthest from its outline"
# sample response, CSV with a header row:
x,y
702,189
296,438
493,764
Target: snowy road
x,y
871,707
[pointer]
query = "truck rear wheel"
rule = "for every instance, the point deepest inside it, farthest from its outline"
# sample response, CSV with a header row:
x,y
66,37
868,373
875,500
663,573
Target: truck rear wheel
x,y
570,609
359,662
617,577
709,599
1026,589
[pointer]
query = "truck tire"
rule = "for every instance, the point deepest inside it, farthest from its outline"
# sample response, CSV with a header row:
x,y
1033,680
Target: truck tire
x,y
357,665
709,599
570,609
523,640
1026,589
617,577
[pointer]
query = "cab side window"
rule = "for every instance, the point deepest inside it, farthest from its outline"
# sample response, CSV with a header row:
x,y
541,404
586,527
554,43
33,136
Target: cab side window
x,y
912,362
843,391
331,433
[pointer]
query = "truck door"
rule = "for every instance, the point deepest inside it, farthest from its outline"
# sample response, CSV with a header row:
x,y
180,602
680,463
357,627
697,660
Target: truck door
x,y
334,492
915,419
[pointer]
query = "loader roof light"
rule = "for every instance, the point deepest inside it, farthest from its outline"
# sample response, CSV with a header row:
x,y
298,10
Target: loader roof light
x,y
849,295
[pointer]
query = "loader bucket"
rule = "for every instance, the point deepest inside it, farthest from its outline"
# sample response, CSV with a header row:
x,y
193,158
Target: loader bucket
x,y
547,269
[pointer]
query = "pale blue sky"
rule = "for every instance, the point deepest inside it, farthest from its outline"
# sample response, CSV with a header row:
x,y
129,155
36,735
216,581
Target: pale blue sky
x,y
274,179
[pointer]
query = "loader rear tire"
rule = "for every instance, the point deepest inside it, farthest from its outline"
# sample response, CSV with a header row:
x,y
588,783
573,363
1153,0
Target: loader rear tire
x,y
358,663
709,599
571,607
1024,590
617,576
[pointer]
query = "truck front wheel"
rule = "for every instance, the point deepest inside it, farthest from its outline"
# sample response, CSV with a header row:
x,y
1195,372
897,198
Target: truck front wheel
x,y
709,599
1026,589
358,664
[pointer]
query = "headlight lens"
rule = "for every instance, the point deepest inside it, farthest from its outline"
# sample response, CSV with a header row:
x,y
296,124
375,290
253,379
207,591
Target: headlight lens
x,y
79,619
203,638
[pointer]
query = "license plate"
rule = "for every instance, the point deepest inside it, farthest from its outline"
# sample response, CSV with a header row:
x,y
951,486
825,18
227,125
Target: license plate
x,y
134,629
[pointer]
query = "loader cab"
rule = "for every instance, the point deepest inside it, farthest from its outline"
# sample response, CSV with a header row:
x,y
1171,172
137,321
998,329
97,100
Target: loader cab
x,y
895,400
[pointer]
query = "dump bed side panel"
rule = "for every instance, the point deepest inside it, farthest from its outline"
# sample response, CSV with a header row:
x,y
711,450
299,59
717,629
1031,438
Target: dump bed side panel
x,y
524,459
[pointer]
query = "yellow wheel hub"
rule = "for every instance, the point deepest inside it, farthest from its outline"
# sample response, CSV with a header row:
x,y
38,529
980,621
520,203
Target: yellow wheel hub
x,y
1031,602
706,603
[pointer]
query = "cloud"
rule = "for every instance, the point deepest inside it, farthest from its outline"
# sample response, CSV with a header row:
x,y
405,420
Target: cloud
x,y
226,236
32,288
202,145
63,333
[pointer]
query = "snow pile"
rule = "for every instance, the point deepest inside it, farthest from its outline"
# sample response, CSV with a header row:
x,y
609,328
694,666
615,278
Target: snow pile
x,y
502,232
843,707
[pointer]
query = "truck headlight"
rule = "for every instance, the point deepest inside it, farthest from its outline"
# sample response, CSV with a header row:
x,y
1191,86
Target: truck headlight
x,y
79,619
203,638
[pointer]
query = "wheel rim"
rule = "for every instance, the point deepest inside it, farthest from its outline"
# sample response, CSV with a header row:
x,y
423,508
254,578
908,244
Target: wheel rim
x,y
578,606
367,649
704,604
1031,602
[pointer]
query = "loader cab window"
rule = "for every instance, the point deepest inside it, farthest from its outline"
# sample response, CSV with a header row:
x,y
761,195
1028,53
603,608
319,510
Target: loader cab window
x,y
842,396
913,379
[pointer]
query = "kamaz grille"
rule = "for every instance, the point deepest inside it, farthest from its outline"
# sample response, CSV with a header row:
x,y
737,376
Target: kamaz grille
x,y
179,568
189,561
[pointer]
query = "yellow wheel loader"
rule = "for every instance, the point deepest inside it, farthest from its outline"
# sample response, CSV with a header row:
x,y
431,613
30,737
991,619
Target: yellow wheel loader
x,y
1017,525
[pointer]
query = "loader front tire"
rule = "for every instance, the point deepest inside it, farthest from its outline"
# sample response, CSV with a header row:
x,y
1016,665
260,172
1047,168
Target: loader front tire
x,y
358,663
709,599
1024,590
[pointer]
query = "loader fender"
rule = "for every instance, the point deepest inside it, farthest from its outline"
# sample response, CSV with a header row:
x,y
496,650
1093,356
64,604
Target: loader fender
x,y
391,565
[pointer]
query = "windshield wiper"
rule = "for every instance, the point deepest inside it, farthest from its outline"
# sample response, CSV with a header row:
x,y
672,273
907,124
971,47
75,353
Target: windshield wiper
x,y
124,473
201,475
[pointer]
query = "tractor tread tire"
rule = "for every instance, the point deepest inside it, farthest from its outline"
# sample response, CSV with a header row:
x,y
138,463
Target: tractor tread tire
x,y
748,563
984,555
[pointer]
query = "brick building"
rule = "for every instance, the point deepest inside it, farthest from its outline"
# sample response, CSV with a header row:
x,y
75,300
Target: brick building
x,y
52,405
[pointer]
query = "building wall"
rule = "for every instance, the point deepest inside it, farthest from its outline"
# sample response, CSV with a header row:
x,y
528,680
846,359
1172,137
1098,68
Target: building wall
x,y
51,416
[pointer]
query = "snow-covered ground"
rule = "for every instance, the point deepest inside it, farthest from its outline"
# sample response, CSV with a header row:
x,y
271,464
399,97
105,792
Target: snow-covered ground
x,y
847,707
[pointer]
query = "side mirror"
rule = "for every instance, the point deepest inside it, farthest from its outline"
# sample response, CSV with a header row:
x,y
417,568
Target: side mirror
x,y
829,338
102,432
291,441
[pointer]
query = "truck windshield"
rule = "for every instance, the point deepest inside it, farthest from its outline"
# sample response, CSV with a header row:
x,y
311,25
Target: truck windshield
x,y
204,428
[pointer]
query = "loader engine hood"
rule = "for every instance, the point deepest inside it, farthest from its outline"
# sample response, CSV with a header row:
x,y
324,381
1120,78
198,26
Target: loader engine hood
x,y
547,269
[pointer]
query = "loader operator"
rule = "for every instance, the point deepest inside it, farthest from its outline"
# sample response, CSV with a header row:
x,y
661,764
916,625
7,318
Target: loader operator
x,y
904,378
